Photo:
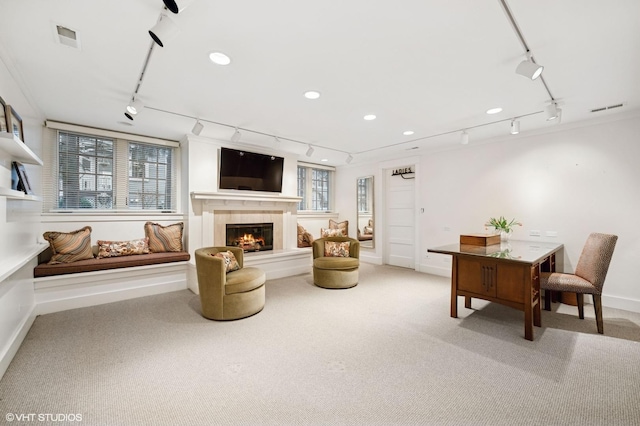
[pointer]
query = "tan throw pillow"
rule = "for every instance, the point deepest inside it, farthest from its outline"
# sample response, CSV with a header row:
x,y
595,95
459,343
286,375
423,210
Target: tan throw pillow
x,y
336,249
67,247
344,226
122,248
164,238
332,233
230,262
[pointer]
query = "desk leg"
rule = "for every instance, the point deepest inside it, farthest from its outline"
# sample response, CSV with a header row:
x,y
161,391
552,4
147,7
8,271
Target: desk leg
x,y
532,302
536,294
454,287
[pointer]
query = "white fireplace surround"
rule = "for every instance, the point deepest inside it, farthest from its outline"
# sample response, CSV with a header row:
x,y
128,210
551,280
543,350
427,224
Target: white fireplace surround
x,y
219,208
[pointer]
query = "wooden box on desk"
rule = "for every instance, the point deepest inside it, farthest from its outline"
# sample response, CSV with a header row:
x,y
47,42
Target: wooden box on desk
x,y
480,239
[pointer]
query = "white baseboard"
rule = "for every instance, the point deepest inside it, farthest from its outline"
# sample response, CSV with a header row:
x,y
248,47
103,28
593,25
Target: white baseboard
x,y
443,271
12,346
370,257
281,263
63,292
615,302
275,264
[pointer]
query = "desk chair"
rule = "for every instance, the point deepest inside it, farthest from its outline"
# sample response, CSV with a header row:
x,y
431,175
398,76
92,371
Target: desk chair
x,y
588,278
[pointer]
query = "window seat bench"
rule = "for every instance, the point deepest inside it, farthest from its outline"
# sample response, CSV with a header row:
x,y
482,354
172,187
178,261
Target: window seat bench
x,y
95,264
91,282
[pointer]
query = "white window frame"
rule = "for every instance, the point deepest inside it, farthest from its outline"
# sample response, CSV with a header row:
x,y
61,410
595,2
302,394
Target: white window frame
x,y
120,179
308,189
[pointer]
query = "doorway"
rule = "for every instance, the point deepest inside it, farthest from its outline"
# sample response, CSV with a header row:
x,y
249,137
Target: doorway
x,y
400,217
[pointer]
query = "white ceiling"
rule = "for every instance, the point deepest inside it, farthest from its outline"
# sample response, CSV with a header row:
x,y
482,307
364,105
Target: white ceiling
x,y
430,66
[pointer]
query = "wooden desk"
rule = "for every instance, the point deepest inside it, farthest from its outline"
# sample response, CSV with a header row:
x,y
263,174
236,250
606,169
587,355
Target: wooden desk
x,y
507,273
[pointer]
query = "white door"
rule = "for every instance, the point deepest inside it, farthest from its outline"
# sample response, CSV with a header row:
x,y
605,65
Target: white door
x,y
400,219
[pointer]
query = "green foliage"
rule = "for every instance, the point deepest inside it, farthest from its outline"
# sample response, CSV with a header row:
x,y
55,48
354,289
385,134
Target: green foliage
x,y
501,224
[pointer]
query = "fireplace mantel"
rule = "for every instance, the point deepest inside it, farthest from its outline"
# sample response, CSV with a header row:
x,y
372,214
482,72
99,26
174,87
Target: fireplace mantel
x,y
230,198
220,208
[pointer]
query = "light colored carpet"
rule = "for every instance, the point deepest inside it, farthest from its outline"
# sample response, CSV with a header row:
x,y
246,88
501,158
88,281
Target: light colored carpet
x,y
384,352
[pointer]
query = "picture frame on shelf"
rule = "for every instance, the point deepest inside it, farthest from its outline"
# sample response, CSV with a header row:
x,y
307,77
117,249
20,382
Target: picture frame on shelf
x,y
15,178
23,179
14,122
3,117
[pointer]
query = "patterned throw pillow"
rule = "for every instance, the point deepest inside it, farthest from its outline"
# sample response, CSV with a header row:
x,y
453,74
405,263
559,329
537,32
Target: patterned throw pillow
x,y
332,233
336,249
164,238
229,259
344,226
122,248
67,247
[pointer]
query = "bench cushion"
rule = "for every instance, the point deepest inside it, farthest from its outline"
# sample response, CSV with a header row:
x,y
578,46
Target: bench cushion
x,y
90,265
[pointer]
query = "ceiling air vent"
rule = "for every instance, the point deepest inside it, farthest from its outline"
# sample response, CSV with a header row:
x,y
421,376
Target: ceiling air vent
x,y
607,107
67,36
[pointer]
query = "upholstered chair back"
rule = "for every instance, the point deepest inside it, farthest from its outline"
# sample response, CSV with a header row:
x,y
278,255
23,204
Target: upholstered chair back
x,y
595,259
318,246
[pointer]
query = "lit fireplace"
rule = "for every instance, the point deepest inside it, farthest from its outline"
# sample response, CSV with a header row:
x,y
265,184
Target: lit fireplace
x,y
250,236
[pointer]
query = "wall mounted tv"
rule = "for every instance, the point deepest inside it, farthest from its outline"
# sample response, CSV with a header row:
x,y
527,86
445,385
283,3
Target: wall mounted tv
x,y
250,171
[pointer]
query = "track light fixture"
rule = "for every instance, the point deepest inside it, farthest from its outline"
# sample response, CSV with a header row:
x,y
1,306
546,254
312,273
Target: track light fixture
x,y
464,138
177,6
529,69
164,31
236,136
197,128
551,111
135,106
515,127
310,151
349,159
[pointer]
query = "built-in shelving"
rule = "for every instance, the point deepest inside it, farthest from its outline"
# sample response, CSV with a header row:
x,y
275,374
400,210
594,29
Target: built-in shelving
x,y
11,264
17,150
14,149
12,194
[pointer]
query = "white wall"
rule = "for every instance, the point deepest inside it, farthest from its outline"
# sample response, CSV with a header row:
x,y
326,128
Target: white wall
x,y
573,182
200,174
19,228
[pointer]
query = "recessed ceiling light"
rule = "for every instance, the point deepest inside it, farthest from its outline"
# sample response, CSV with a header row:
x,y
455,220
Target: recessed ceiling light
x,y
494,110
219,58
369,117
408,132
312,94
324,159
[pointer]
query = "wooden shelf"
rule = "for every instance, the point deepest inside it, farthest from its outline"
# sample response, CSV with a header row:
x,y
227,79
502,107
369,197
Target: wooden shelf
x,y
17,150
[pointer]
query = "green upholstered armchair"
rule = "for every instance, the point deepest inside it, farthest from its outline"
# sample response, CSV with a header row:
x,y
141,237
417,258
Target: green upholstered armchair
x,y
339,270
228,295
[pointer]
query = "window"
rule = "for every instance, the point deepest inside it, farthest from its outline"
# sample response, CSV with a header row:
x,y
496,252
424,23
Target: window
x,y
107,173
314,186
85,172
149,177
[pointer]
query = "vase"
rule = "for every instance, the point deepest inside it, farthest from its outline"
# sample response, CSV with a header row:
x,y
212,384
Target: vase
x,y
505,235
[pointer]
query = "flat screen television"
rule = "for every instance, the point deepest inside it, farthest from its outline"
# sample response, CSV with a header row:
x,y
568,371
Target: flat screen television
x,y
250,171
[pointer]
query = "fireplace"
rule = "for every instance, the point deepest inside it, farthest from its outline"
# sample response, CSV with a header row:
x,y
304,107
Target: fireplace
x,y
250,236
